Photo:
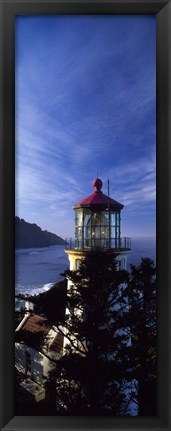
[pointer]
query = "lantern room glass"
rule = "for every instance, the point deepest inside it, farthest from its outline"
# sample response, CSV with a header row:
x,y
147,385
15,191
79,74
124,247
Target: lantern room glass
x,y
97,229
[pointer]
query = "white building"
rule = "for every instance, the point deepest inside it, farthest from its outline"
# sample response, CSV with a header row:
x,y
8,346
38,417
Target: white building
x,y
37,342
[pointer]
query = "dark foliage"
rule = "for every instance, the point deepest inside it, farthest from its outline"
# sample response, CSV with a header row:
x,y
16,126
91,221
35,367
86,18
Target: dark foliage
x,y
34,340
111,327
51,303
111,330
140,318
90,376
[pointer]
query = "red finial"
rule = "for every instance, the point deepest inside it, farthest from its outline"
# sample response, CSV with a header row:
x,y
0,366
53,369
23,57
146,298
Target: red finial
x,y
97,184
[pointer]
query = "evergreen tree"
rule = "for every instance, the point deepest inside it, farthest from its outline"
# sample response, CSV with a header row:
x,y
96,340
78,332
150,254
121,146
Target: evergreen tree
x,y
91,374
110,325
140,318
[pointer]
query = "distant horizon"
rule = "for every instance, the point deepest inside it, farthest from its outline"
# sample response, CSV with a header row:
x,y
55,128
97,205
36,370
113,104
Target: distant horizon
x,y
85,103
73,236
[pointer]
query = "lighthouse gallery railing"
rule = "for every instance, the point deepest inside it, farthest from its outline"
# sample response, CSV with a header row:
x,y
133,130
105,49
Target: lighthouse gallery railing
x,y
118,244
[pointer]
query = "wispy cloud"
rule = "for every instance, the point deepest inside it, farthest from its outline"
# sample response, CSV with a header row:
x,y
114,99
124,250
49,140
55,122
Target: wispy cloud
x,y
85,101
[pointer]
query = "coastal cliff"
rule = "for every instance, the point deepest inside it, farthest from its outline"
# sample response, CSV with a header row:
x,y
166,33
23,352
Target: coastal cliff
x,y
28,235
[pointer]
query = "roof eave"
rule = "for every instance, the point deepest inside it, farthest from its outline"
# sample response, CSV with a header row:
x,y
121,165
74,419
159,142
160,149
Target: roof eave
x,y
98,205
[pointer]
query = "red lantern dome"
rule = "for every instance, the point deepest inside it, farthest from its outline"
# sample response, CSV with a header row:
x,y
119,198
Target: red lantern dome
x,y
98,199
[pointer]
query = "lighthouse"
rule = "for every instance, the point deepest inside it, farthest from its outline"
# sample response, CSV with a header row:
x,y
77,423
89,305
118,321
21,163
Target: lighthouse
x,y
98,227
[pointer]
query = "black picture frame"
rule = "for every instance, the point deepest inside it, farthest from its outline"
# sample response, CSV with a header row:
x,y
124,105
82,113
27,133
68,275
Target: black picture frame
x,y
9,9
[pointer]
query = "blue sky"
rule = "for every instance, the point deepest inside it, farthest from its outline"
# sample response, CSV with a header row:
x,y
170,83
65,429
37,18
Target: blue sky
x,y
85,102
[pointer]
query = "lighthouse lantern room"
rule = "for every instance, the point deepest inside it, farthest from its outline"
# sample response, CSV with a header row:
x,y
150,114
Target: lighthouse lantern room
x,y
98,226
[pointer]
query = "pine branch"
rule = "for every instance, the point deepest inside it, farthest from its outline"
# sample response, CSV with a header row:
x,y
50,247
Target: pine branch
x,y
71,341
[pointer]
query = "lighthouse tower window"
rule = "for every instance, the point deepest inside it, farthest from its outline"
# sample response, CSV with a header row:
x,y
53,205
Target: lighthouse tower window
x,y
97,228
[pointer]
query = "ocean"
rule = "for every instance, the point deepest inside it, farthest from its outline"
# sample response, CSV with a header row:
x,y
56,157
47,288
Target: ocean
x,y
37,269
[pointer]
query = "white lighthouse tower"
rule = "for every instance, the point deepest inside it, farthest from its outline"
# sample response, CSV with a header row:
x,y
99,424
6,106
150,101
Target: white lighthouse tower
x,y
98,226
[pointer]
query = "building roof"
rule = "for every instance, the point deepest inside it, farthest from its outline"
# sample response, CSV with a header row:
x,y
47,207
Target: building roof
x,y
98,198
34,332
36,324
57,343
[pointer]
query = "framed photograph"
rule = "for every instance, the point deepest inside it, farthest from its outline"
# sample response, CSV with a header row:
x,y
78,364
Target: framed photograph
x,y
85,91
